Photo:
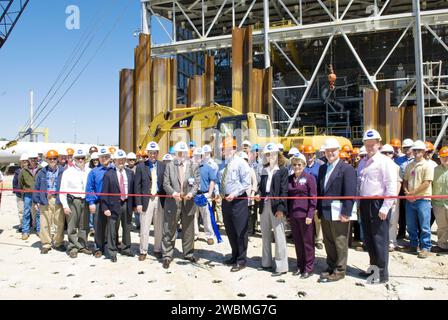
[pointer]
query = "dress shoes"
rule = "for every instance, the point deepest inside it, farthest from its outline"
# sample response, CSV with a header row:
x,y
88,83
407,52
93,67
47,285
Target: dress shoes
x,y
98,254
166,263
142,257
229,262
85,251
277,274
336,276
364,274
158,255
305,275
61,248
73,253
44,250
238,267
127,253
113,258
192,259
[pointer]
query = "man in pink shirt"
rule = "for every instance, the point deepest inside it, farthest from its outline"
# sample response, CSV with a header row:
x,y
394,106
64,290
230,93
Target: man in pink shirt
x,y
377,177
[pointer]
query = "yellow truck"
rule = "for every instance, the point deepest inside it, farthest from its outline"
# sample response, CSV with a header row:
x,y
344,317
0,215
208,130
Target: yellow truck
x,y
209,125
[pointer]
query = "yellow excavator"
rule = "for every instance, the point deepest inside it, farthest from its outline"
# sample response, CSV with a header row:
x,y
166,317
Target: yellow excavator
x,y
210,124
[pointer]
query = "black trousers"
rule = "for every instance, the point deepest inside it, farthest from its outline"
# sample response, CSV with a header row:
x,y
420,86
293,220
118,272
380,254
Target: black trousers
x,y
100,228
376,235
253,215
402,218
113,223
236,217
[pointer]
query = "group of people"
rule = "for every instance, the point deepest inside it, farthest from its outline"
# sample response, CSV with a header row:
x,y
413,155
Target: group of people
x,y
310,193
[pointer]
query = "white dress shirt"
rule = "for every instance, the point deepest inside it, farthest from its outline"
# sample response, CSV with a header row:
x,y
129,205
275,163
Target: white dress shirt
x,y
73,180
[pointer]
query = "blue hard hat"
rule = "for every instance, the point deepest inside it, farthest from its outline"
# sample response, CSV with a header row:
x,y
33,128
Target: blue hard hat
x,y
171,150
192,144
255,147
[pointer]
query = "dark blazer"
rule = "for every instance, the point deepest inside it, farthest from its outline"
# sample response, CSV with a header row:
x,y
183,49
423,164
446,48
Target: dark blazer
x,y
279,188
41,185
142,183
112,185
302,208
342,182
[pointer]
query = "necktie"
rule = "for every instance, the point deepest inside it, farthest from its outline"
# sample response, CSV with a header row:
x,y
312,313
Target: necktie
x,y
181,175
122,190
153,180
223,180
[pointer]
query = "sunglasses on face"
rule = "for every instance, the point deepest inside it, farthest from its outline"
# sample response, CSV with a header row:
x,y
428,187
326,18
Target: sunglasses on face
x,y
83,158
297,165
52,159
387,153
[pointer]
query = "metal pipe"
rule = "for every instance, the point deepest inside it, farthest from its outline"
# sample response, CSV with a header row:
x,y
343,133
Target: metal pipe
x,y
436,36
290,62
346,9
145,27
216,17
419,71
289,87
161,24
310,84
393,49
441,134
406,96
337,9
358,59
383,8
247,14
174,23
203,19
188,19
289,12
31,115
267,58
326,10
281,106
233,13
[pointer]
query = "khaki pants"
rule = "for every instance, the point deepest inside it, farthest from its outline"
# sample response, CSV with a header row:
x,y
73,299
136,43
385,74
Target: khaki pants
x,y
20,210
336,235
153,213
441,214
77,223
318,229
270,222
49,215
218,212
393,227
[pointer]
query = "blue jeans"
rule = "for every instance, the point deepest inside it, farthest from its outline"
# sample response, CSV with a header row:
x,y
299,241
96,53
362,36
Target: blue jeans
x,y
91,221
27,207
419,213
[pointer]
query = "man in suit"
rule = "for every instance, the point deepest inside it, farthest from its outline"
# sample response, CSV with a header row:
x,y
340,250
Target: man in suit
x,y
181,181
149,180
335,178
118,180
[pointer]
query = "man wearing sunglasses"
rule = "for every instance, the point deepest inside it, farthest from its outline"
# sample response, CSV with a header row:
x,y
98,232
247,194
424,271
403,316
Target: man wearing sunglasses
x,y
48,183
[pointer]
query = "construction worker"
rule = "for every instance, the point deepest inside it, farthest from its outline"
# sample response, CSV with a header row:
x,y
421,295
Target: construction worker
x,y
149,177
389,151
207,188
167,158
345,157
95,185
396,144
312,168
70,153
440,206
347,149
256,164
247,145
336,178
428,156
62,157
207,159
362,153
181,181
27,180
118,180
403,162
377,177
234,181
251,192
355,157
76,209
94,161
274,183
15,186
48,180
418,177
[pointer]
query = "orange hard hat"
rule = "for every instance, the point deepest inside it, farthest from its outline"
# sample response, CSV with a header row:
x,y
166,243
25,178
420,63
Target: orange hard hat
x,y
52,154
302,148
429,146
228,142
343,155
112,150
443,152
346,148
308,149
355,151
332,77
70,151
395,143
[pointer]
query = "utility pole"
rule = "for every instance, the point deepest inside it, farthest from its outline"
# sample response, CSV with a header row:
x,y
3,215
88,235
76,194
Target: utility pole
x,y
419,71
74,131
31,114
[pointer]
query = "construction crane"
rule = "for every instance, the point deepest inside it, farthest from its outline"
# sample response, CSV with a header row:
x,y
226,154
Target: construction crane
x,y
10,12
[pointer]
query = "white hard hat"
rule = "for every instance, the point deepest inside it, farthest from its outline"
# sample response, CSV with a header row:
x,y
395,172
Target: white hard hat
x,y
152,146
94,156
387,148
24,157
362,151
299,156
280,146
80,153
270,147
371,134
293,151
120,154
322,148
197,151
407,143
104,151
247,143
244,155
206,149
131,156
43,164
418,145
33,154
167,157
181,146
331,143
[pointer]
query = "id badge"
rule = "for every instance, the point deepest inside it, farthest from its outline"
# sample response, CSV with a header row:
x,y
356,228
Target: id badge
x,y
302,181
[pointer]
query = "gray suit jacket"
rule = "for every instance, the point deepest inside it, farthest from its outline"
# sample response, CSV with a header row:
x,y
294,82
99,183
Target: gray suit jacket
x,y
171,184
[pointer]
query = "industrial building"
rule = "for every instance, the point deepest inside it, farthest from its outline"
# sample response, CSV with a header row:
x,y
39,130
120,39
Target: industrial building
x,y
332,67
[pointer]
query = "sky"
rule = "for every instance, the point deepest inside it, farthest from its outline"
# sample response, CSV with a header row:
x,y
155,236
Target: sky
x,y
37,50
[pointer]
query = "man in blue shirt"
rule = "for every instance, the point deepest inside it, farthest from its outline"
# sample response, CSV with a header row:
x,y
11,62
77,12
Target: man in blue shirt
x,y
207,186
95,185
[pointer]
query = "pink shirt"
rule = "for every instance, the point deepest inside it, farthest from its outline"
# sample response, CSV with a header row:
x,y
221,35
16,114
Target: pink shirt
x,y
378,177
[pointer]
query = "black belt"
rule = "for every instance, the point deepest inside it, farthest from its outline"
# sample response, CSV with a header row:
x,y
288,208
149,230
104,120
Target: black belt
x,y
243,195
69,196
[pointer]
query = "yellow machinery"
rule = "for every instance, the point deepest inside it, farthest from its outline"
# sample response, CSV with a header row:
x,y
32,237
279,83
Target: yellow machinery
x,y
209,125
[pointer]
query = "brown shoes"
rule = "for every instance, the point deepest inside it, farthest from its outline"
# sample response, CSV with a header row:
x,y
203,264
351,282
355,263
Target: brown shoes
x,y
73,254
142,257
192,259
44,250
85,251
210,241
237,267
166,263
336,276
423,254
158,255
98,254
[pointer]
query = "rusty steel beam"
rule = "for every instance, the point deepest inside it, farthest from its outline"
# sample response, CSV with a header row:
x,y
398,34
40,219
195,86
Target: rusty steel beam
x,y
126,110
237,68
370,112
209,79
